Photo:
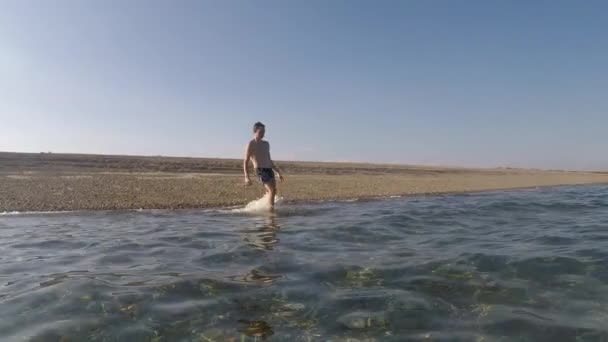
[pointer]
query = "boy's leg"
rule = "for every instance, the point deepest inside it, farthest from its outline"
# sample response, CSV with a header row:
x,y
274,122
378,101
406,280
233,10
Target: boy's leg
x,y
271,188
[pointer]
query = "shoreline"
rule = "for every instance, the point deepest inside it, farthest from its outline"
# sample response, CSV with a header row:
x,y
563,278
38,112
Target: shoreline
x,y
296,202
60,206
51,183
301,202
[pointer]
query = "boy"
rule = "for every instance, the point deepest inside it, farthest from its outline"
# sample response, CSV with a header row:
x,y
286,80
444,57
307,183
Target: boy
x,y
258,151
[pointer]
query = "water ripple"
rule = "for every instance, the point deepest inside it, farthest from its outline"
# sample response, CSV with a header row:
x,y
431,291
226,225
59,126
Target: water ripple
x,y
516,265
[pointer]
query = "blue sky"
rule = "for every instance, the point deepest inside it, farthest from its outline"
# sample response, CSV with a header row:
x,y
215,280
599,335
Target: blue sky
x,y
472,83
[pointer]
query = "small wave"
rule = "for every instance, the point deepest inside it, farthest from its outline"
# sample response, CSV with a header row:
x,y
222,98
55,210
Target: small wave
x,y
19,213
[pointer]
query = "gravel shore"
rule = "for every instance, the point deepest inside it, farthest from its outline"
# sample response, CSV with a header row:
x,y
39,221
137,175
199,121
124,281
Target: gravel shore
x,y
32,182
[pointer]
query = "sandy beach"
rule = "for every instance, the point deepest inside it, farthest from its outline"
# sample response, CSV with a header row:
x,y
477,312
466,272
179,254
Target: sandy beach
x,y
49,182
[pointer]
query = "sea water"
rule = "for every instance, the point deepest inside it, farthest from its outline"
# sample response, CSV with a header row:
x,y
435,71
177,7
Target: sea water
x,y
528,265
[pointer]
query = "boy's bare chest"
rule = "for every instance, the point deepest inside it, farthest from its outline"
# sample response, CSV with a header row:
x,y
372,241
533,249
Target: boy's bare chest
x,y
260,149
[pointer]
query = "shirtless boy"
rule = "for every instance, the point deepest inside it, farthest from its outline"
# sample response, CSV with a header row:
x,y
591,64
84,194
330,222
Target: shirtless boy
x,y
258,151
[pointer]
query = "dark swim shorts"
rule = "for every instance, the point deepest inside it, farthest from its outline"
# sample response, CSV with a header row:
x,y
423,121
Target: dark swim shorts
x,y
266,175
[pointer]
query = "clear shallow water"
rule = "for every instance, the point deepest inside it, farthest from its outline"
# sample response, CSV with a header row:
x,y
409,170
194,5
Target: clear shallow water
x,y
519,265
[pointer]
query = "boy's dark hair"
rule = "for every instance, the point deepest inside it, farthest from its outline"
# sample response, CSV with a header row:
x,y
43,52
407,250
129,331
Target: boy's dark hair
x,y
257,126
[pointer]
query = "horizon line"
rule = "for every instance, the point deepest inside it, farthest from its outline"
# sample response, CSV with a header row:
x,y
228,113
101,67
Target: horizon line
x,y
446,166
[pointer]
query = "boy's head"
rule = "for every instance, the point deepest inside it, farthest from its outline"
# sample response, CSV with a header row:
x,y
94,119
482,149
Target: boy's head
x,y
258,130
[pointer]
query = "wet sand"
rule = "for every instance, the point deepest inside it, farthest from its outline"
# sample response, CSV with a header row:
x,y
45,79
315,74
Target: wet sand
x,y
48,182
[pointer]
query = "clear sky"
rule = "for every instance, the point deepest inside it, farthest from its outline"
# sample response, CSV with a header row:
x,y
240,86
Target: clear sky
x,y
477,83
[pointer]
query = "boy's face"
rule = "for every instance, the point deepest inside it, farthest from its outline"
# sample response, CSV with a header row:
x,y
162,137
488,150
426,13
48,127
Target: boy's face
x,y
259,133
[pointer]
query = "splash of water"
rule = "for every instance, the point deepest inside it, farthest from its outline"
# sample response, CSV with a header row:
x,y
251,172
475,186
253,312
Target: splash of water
x,y
259,205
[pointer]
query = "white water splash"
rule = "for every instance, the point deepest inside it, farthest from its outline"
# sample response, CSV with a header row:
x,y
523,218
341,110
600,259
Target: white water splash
x,y
259,205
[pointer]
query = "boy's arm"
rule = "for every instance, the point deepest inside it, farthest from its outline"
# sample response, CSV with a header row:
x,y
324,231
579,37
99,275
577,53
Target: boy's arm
x,y
246,162
276,169
274,166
